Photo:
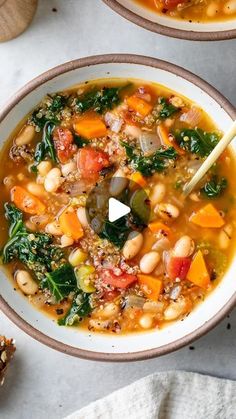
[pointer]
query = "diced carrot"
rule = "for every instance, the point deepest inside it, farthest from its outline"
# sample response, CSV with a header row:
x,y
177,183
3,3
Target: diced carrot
x,y
26,202
208,216
157,226
150,285
198,273
90,127
70,224
168,140
140,106
136,177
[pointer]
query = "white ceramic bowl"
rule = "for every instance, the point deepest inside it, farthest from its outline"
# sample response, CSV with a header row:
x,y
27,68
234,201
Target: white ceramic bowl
x,y
176,28
79,342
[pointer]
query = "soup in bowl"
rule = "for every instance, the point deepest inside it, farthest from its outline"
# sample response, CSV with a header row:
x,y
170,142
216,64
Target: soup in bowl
x,y
195,19
90,281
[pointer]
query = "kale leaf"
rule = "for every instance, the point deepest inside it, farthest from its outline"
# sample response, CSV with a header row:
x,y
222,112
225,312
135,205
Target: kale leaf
x,y
116,232
197,141
80,308
45,147
60,282
58,103
35,250
99,100
157,162
214,187
167,109
40,122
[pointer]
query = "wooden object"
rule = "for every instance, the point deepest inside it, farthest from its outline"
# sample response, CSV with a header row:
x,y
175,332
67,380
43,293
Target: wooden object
x,y
211,159
15,17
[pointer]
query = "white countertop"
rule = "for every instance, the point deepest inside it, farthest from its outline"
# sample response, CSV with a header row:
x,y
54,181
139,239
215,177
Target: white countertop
x,y
42,382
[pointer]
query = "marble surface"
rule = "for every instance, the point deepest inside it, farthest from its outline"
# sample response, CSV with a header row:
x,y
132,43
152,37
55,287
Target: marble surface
x,y
41,381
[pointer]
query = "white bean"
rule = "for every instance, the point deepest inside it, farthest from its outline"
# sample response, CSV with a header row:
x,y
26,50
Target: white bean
x,y
161,244
175,309
212,9
167,211
54,229
66,241
68,168
229,7
225,236
36,189
44,167
132,131
108,311
26,283
82,216
118,183
184,247
53,180
133,245
158,193
25,136
149,262
146,321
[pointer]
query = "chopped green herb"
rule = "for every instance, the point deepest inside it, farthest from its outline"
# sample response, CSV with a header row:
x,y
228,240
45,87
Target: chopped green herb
x,y
80,308
58,103
80,141
214,187
178,184
167,109
99,100
197,141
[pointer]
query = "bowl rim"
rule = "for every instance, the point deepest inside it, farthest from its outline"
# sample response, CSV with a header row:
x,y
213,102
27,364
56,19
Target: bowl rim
x,y
166,30
120,59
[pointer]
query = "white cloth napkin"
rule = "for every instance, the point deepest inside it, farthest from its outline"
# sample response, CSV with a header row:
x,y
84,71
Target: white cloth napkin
x,y
167,395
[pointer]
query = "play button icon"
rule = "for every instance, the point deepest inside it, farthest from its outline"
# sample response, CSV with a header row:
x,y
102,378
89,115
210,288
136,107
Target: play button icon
x,y
110,214
117,209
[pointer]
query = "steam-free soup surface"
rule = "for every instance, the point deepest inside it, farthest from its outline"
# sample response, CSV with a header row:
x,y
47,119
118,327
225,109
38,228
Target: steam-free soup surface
x,y
138,143
193,10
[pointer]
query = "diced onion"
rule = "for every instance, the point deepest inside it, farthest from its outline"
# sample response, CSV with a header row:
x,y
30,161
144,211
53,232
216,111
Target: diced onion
x,y
192,117
113,122
149,142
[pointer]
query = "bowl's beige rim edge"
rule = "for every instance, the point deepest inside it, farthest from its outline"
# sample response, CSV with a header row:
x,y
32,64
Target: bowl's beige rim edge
x,y
108,59
168,31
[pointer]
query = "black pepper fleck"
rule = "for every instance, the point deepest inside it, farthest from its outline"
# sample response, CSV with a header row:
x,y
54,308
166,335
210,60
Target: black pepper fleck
x,y
59,311
228,326
54,9
192,348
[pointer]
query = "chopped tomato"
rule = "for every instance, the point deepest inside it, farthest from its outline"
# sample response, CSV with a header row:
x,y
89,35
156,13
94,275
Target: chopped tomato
x,y
110,295
63,141
177,267
118,281
90,161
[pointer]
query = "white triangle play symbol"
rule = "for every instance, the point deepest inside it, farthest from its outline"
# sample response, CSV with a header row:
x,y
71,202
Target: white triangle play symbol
x,y
116,210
